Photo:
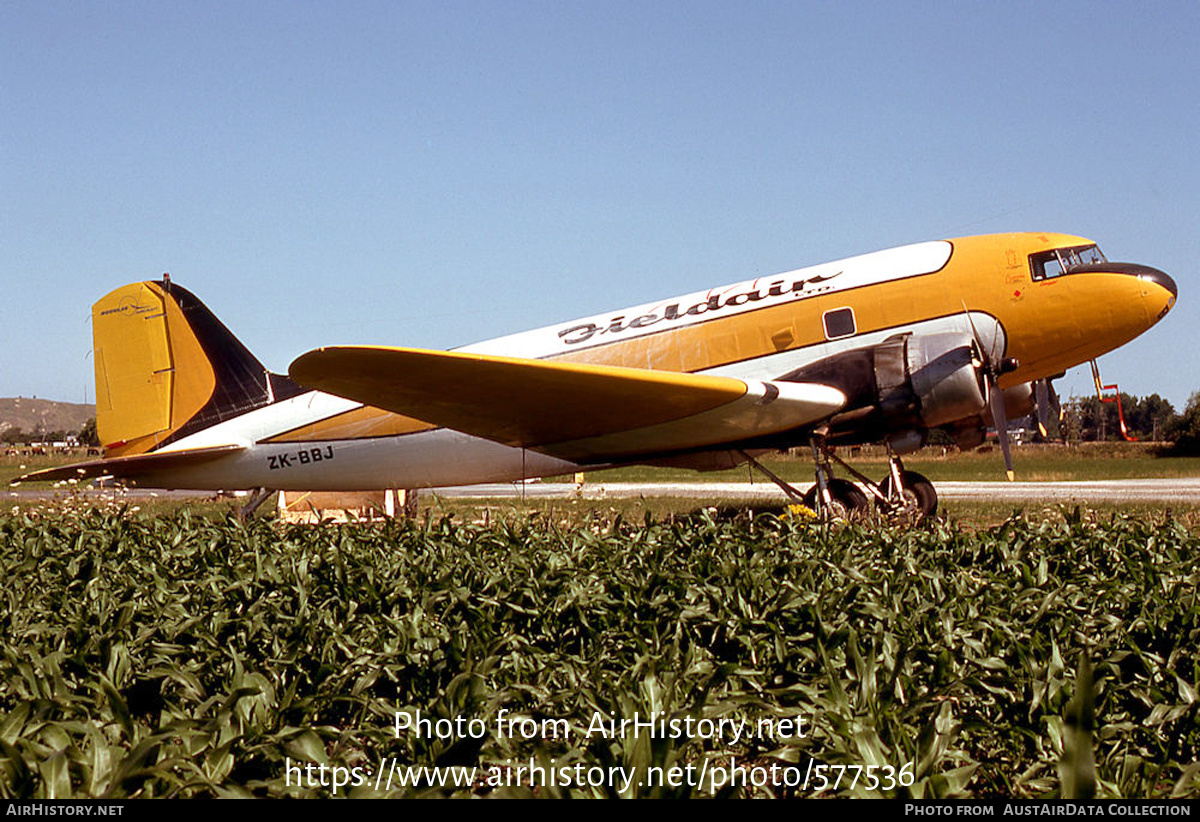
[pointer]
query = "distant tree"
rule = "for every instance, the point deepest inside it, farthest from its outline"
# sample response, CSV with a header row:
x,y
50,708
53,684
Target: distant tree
x,y
14,435
1153,416
87,434
1184,431
1145,419
1096,420
1071,427
939,436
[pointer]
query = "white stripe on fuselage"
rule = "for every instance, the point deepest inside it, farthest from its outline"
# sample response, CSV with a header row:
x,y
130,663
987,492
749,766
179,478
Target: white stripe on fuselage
x,y
701,306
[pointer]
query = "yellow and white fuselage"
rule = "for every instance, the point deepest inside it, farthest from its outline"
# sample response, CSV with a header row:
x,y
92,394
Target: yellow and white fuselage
x,y
880,346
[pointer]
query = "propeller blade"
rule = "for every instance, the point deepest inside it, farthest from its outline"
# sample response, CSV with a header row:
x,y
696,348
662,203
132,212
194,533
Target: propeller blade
x,y
1042,397
974,330
992,371
1000,421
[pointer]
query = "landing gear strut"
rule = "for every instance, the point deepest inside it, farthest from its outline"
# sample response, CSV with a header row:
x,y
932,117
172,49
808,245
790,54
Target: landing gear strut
x,y
902,496
830,497
912,498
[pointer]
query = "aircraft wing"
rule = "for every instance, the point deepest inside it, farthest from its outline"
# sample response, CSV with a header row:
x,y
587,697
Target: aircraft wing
x,y
574,411
131,466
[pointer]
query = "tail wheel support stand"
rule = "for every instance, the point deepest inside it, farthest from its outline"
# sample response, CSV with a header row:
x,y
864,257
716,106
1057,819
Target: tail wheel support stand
x,y
259,496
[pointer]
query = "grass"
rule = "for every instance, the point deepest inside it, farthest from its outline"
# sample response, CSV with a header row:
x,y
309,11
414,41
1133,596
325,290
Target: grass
x,y
177,656
966,515
12,467
1033,463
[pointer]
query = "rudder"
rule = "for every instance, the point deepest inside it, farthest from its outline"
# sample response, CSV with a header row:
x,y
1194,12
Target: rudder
x,y
166,367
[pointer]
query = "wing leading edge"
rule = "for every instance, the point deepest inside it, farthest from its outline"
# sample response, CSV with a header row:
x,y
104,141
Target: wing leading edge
x,y
573,411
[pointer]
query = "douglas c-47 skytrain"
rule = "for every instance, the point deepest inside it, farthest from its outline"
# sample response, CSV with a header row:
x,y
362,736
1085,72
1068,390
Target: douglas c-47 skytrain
x,y
955,334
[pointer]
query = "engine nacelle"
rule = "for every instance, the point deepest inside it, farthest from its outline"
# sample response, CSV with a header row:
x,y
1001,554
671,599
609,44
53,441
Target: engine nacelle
x,y
904,384
946,377
1018,402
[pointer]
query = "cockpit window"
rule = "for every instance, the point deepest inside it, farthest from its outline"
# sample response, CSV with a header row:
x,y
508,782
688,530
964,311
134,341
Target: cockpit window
x,y
1050,264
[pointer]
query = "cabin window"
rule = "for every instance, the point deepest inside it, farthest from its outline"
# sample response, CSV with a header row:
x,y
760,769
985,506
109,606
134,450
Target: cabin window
x,y
1051,264
840,323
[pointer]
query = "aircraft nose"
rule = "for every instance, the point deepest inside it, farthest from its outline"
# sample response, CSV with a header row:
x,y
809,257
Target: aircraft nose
x,y
1157,298
1144,272
1160,278
1158,288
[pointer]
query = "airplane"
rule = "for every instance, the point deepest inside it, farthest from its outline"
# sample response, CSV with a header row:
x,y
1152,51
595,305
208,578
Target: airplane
x,y
958,335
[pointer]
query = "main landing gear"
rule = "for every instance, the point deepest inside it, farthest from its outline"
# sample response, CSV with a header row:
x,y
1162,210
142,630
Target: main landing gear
x,y
901,496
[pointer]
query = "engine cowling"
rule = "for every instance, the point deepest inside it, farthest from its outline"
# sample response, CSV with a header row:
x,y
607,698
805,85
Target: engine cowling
x,y
902,387
1018,402
946,376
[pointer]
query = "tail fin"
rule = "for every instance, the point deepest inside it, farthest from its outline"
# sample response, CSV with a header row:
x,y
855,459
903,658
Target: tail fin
x,y
166,367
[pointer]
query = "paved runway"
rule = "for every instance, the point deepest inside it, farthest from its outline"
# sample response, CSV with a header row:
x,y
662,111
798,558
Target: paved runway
x,y
1129,490
1185,489
1181,490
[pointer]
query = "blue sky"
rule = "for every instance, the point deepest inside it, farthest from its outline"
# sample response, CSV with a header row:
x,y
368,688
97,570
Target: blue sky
x,y
434,174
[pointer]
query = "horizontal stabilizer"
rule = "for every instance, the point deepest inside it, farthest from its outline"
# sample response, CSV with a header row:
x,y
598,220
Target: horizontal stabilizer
x,y
568,410
130,467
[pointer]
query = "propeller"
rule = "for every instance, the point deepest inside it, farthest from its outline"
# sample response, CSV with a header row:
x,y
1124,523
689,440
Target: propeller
x,y
1000,421
1047,402
992,367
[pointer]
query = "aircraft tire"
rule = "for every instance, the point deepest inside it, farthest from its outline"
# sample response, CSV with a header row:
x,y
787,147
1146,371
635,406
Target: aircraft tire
x,y
919,498
846,499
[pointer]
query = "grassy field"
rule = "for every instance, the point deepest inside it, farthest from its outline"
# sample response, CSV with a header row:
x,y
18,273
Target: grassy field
x,y
1033,463
154,648
964,515
178,656
12,466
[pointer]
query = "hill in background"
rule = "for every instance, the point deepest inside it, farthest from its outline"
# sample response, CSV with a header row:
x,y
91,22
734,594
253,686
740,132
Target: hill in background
x,y
31,414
